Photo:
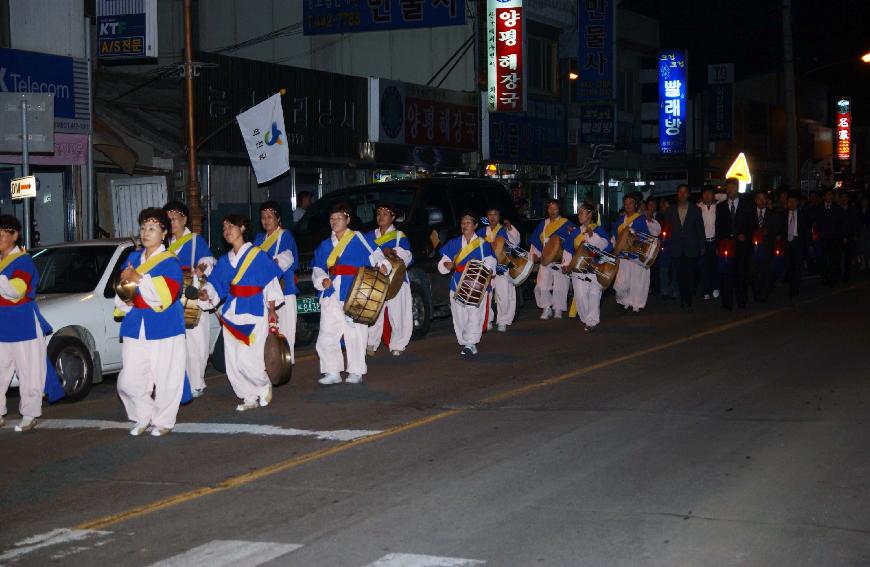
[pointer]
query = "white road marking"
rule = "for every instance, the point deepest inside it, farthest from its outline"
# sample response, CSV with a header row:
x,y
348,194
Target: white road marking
x,y
221,552
48,539
215,429
412,560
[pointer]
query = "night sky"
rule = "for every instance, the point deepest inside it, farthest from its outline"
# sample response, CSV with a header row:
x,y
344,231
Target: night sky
x,y
749,34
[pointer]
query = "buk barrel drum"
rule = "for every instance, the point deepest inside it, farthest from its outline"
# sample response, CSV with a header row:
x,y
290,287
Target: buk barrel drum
x,y
603,265
519,266
582,259
552,251
473,284
276,355
642,248
396,277
189,300
500,250
367,296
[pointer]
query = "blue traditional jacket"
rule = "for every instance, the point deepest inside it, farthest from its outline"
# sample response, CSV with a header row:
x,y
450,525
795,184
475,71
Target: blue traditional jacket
x,y
243,285
341,262
18,318
563,232
276,246
461,256
166,320
184,247
392,239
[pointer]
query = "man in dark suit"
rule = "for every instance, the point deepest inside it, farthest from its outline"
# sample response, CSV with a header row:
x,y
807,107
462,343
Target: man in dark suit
x,y
768,230
830,221
687,243
797,234
735,222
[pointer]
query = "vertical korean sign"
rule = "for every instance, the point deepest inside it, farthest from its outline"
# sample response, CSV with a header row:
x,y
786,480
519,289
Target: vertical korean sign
x,y
505,24
844,130
596,20
673,75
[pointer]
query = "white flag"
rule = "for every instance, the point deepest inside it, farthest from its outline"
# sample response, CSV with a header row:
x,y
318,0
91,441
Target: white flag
x,y
263,130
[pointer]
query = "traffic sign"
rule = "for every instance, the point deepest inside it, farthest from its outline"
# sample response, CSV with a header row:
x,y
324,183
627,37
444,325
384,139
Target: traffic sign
x,y
23,188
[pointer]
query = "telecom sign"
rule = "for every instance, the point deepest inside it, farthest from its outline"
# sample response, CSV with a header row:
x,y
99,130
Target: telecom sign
x,y
844,129
349,16
673,73
126,30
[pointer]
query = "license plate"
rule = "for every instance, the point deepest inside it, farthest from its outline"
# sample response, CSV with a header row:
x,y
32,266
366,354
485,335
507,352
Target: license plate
x,y
308,304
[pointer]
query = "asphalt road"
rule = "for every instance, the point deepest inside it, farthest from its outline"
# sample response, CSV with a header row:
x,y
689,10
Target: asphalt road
x,y
665,438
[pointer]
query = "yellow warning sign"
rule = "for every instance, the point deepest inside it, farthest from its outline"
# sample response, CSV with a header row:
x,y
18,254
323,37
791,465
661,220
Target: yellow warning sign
x,y
740,169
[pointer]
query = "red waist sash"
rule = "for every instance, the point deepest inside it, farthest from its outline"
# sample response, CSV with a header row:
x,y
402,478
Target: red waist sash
x,y
343,270
245,290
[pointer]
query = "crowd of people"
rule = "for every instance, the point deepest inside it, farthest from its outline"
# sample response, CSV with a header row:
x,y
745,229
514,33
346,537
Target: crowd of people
x,y
725,245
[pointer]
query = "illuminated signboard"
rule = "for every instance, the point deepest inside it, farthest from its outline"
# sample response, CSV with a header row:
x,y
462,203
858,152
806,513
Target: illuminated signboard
x,y
350,16
673,74
844,129
597,61
126,30
505,24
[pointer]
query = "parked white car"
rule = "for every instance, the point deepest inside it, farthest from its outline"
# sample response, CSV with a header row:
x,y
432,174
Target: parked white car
x,y
76,295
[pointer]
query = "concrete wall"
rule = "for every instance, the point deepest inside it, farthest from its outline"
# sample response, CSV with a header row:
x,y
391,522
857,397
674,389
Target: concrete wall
x,y
48,26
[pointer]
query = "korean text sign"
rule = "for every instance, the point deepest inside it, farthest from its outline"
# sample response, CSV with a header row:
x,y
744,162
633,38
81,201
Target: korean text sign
x,y
348,16
505,24
673,74
844,129
597,65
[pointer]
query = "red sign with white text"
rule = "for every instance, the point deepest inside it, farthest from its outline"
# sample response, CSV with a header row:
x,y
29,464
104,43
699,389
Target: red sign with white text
x,y
844,129
506,88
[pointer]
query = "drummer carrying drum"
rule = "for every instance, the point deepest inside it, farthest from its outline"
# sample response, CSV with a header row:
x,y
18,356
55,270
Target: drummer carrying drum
x,y
396,333
336,263
587,290
632,278
473,264
504,293
548,244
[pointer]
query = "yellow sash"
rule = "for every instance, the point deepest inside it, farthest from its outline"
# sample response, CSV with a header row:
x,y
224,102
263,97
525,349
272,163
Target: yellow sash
x,y
475,242
339,248
493,233
270,240
554,226
627,222
578,240
246,263
176,246
9,259
153,261
383,239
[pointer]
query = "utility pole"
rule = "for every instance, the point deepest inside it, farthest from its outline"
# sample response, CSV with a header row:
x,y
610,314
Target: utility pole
x,y
791,142
192,189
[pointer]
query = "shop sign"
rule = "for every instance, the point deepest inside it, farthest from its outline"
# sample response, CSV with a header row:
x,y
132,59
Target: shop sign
x,y
64,77
505,40
325,114
350,16
596,20
844,129
403,113
673,79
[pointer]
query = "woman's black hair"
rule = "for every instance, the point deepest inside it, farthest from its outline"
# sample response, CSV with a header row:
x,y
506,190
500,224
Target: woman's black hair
x,y
389,206
242,222
592,209
10,223
178,207
157,214
341,207
275,208
468,213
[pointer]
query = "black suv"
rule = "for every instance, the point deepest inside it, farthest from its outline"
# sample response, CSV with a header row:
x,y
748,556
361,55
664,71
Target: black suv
x,y
428,208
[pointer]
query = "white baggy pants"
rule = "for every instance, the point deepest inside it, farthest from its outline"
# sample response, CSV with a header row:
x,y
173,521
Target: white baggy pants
x,y
27,360
467,321
287,323
401,317
551,288
505,296
631,285
152,366
587,295
334,325
197,351
246,366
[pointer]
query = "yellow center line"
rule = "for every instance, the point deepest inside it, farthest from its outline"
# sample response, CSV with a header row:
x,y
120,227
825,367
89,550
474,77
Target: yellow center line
x,y
293,462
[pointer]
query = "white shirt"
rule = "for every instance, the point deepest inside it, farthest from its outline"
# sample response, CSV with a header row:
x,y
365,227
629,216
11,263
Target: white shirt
x,y
708,214
792,225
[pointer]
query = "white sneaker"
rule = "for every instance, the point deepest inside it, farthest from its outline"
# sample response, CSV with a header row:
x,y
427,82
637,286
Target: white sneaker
x,y
27,423
557,314
265,396
489,327
2,421
396,352
472,349
331,378
354,379
706,297
370,351
197,392
140,428
502,328
545,314
715,294
248,405
160,431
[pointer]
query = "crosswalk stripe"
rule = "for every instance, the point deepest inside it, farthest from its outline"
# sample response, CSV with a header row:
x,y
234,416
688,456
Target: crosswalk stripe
x,y
54,537
226,552
412,560
216,429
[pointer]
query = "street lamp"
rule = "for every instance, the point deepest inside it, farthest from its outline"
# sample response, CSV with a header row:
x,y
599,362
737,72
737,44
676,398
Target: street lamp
x,y
866,57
